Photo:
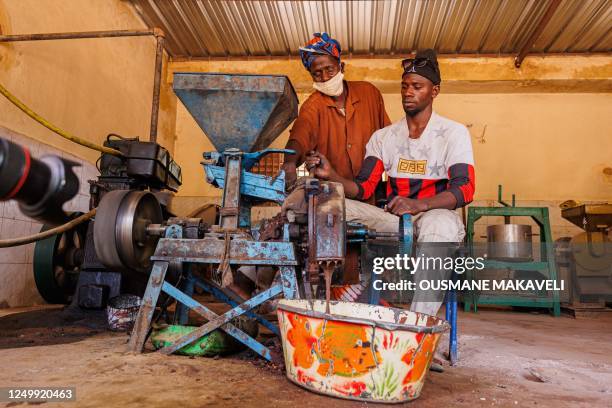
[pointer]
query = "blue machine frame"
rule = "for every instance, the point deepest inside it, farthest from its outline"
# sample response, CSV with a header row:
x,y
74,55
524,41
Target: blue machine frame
x,y
230,245
240,114
205,250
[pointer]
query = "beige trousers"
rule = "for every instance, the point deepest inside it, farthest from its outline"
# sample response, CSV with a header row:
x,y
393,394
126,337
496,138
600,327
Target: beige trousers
x,y
432,226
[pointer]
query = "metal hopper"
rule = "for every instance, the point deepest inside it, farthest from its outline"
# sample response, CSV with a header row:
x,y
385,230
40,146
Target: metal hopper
x,y
246,112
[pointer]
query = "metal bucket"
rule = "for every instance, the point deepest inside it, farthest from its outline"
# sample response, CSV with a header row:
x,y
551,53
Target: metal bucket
x,y
510,242
121,312
358,351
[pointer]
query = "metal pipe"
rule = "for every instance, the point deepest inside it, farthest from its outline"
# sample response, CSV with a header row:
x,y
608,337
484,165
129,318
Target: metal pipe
x,y
383,234
159,60
81,35
552,7
156,230
499,196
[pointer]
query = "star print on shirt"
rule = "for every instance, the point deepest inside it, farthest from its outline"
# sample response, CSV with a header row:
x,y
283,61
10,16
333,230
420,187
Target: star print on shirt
x,y
440,132
424,151
435,169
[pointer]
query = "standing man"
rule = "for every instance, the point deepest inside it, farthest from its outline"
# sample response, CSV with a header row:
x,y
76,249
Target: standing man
x,y
338,118
430,165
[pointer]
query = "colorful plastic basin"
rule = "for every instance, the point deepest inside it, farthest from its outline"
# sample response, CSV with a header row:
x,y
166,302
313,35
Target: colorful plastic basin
x,y
358,351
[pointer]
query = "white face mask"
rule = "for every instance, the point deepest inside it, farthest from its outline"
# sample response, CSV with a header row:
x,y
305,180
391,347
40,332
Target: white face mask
x,y
332,87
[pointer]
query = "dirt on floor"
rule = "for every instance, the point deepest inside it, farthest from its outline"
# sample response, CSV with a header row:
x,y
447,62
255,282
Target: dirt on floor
x,y
507,359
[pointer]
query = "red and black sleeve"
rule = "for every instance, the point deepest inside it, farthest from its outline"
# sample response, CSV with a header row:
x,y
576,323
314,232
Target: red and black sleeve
x,y
369,175
462,183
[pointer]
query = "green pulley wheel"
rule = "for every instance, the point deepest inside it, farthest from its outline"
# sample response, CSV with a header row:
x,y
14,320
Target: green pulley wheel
x,y
57,263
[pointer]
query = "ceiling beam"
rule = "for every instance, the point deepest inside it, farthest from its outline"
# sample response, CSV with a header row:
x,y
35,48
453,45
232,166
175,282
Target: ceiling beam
x,y
552,7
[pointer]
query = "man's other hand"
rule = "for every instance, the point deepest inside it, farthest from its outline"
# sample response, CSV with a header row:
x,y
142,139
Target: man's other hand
x,y
403,205
319,166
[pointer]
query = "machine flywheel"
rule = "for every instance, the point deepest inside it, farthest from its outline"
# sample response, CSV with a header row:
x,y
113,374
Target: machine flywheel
x,y
120,229
57,262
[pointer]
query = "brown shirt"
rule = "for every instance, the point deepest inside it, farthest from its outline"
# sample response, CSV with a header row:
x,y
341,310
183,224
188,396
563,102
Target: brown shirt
x,y
342,139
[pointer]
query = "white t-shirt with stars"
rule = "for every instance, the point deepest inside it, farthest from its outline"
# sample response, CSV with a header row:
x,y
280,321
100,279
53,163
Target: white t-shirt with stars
x,y
441,159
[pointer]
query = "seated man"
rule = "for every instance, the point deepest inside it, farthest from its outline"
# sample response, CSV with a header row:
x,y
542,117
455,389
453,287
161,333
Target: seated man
x,y
430,165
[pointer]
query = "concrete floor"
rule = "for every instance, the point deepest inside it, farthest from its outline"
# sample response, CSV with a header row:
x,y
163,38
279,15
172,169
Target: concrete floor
x,y
507,359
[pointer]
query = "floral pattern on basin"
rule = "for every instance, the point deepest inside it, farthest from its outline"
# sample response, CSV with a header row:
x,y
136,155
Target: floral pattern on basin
x,y
353,357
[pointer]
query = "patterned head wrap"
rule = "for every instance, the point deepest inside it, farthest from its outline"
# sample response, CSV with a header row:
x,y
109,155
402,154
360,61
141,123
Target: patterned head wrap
x,y
320,44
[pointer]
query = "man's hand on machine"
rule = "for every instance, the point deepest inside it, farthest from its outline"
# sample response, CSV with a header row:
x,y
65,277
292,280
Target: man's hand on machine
x,y
319,166
402,205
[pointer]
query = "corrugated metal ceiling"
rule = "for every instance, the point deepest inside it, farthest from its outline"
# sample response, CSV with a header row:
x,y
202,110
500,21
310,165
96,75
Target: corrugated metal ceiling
x,y
206,28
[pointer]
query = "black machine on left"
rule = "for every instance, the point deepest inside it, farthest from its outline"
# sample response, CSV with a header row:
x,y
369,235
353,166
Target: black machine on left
x,y
67,267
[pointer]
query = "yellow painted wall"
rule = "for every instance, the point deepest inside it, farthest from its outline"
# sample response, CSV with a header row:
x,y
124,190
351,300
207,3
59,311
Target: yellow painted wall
x,y
88,87
539,146
544,132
